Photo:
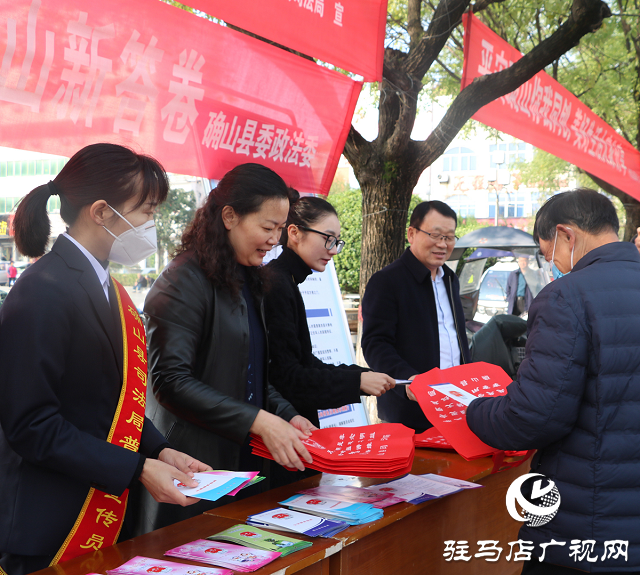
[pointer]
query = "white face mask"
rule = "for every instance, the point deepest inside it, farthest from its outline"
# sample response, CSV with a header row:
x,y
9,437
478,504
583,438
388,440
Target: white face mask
x,y
135,244
553,255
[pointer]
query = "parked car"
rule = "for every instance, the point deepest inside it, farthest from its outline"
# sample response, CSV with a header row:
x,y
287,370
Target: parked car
x,y
492,299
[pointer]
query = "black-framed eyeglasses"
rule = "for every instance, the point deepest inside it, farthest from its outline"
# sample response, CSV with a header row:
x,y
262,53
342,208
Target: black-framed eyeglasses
x,y
437,237
330,242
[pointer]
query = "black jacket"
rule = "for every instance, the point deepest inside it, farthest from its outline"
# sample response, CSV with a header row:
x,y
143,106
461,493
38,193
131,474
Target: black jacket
x,y
198,358
308,383
60,380
400,330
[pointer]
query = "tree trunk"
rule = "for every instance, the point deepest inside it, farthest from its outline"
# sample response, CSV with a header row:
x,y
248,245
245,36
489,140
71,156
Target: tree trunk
x,y
389,167
384,212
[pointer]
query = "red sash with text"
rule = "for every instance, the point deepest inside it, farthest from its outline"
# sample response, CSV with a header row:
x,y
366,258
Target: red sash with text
x,y
100,520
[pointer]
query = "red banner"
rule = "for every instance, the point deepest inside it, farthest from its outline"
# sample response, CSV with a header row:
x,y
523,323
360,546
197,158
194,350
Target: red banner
x,y
200,97
348,33
545,114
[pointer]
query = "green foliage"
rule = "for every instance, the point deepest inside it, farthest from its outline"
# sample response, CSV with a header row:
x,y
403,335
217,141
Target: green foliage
x,y
173,216
467,224
348,203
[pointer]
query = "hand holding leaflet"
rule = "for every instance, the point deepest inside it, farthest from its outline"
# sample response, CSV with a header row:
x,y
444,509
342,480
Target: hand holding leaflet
x,y
212,486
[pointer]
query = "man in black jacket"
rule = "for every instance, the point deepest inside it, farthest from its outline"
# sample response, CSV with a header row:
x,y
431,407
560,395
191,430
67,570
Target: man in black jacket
x,y
412,315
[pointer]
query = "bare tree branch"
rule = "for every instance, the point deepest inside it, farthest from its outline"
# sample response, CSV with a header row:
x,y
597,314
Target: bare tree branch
x,y
484,4
586,16
356,146
631,205
445,18
448,70
414,22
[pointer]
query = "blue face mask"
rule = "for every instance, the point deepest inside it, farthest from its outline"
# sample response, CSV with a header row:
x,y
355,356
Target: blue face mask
x,y
557,274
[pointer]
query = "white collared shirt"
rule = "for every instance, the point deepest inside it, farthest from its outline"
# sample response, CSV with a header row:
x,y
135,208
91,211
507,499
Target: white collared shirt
x,y
103,275
449,347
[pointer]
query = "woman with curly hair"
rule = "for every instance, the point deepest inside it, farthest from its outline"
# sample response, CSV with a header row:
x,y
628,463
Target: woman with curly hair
x,y
208,351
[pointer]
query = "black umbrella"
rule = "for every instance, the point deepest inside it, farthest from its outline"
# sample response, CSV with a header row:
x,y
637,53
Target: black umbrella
x,y
498,238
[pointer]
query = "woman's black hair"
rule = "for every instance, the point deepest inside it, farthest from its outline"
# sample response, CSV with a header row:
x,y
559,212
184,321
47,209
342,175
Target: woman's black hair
x,y
245,188
588,210
106,172
306,212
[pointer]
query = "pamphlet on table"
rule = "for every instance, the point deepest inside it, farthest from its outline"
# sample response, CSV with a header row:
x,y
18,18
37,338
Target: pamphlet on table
x,y
282,519
352,513
259,539
236,557
145,565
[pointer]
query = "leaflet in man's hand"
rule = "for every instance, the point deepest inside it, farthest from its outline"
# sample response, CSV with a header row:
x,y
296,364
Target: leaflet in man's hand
x,y
444,395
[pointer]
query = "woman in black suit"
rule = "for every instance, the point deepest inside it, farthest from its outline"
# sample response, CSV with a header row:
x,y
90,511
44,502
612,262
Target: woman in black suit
x,y
62,385
208,354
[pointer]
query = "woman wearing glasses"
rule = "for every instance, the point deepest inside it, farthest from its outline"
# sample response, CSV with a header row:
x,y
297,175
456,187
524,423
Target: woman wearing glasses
x,y
310,240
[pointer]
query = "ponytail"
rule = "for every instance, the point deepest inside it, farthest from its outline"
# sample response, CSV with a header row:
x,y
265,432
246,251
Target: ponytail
x,y
31,223
96,172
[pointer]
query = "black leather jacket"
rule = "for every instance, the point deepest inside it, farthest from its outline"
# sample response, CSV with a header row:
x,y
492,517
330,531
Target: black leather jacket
x,y
198,356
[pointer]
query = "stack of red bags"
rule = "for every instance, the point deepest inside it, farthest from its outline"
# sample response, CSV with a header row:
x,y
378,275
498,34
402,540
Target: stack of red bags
x,y
383,450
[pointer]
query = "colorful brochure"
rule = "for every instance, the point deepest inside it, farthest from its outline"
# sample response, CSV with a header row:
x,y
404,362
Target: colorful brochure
x,y
147,565
252,478
416,489
259,539
452,481
352,513
346,493
282,519
234,557
212,486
